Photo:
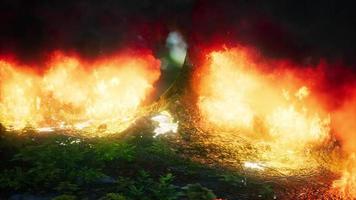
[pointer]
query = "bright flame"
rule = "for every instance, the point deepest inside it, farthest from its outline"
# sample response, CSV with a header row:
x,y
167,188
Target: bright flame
x,y
71,93
166,124
239,92
345,126
253,165
346,185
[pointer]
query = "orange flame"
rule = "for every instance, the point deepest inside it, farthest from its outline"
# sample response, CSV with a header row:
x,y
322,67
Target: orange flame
x,y
346,185
345,126
72,93
275,103
239,91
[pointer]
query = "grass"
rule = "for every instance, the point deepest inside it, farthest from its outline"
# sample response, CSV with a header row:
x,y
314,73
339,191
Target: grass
x,y
57,166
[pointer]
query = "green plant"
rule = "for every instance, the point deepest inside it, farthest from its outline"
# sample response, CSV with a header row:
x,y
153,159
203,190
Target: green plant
x,y
198,192
164,189
140,188
232,179
50,163
113,196
137,192
109,150
12,178
160,148
67,187
122,183
144,186
89,175
266,191
66,165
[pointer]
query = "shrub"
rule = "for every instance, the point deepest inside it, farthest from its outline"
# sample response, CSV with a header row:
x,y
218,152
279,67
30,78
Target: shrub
x,y
198,192
113,196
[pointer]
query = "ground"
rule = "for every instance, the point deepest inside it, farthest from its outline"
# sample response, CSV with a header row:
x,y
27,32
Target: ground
x,y
134,165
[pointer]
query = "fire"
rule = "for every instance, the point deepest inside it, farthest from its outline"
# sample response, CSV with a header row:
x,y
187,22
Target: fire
x,y
345,125
104,94
240,91
281,109
346,185
166,124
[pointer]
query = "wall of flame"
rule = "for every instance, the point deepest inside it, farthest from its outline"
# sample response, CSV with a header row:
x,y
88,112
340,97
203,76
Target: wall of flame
x,y
70,92
278,104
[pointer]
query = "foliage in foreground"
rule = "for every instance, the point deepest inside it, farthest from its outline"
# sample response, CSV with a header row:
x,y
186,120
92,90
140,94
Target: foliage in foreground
x,y
62,167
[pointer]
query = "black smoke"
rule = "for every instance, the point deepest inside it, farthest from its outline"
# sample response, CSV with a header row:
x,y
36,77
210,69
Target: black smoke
x,y
30,28
298,30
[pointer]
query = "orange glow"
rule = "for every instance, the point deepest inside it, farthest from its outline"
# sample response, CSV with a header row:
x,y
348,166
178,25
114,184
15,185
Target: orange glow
x,y
241,92
345,126
281,109
346,185
71,93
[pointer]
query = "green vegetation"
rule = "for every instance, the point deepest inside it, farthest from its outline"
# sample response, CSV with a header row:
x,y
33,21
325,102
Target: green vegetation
x,y
139,167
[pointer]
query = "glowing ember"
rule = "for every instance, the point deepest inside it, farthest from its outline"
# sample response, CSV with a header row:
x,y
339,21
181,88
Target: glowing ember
x,y
105,94
166,124
253,165
239,92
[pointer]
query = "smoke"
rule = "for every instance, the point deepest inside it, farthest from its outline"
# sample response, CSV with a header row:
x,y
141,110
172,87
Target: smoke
x,y
304,31
316,38
300,30
31,29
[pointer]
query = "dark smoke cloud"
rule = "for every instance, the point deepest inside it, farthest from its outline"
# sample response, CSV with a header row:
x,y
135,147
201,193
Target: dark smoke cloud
x,y
299,30
302,30
31,28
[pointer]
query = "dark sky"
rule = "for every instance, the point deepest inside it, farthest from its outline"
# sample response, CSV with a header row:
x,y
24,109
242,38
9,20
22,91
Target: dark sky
x,y
294,29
